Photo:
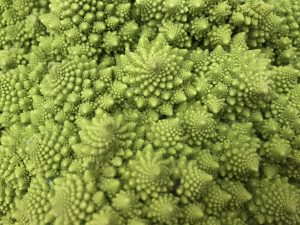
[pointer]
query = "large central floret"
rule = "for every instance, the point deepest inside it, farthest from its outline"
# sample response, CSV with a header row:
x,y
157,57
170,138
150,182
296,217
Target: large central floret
x,y
156,73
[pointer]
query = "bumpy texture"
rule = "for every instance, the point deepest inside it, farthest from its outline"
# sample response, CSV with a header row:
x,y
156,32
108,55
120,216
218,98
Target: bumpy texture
x,y
150,112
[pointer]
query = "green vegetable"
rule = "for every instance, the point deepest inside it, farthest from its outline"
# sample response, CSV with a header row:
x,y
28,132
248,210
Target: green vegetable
x,y
149,112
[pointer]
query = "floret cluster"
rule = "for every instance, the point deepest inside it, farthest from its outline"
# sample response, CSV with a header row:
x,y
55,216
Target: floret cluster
x,y
149,112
